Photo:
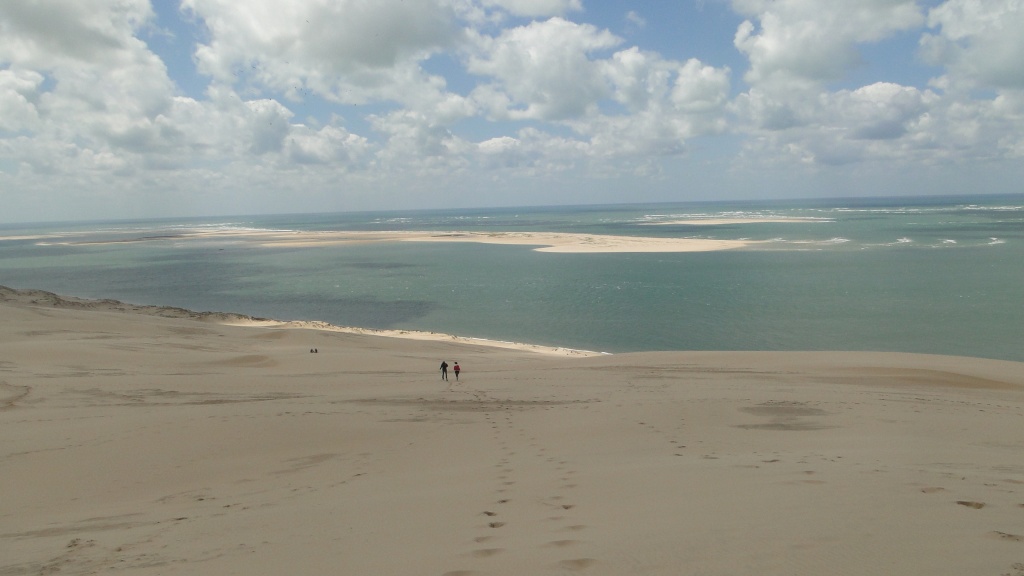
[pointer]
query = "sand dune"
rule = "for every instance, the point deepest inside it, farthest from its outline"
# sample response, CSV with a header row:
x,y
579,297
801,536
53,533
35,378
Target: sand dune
x,y
148,442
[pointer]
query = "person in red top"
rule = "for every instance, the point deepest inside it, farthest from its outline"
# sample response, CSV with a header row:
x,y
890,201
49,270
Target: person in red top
x,y
456,369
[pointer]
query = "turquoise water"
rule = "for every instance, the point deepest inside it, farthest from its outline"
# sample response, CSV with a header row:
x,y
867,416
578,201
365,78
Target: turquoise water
x,y
941,276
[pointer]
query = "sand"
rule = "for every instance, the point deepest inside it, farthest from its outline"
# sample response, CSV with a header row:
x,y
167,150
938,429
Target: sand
x,y
590,243
544,241
159,441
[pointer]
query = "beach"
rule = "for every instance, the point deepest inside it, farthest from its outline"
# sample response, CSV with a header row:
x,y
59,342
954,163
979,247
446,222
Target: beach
x,y
161,441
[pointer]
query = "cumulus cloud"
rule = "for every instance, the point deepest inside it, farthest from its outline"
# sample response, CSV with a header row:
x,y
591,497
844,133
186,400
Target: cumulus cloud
x,y
668,103
62,32
350,50
305,93
885,123
79,75
981,44
330,145
544,69
415,143
635,21
796,43
19,93
536,8
796,47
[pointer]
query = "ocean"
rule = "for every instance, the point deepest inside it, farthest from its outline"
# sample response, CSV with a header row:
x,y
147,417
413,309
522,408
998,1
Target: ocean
x,y
929,275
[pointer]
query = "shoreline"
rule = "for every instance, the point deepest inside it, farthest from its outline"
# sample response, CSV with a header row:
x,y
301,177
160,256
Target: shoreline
x,y
43,298
35,297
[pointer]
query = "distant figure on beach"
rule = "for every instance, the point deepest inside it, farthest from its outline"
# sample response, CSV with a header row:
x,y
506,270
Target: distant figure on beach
x,y
456,369
444,370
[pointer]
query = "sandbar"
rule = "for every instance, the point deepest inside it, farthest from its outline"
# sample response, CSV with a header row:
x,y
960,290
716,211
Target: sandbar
x,y
545,241
588,243
146,441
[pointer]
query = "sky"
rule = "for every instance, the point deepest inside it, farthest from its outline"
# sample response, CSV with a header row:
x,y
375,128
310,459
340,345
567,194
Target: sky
x,y
135,108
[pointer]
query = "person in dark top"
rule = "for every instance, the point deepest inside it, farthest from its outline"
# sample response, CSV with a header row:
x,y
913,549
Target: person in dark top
x,y
444,370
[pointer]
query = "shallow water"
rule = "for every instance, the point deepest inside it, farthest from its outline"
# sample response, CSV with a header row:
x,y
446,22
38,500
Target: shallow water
x,y
939,276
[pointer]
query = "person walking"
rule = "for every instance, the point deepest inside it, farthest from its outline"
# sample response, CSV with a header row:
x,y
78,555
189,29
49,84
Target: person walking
x,y
444,370
456,369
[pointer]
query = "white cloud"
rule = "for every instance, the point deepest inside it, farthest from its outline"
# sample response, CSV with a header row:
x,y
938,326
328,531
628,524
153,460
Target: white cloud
x,y
635,20
800,43
415,142
544,69
699,88
85,81
348,50
19,93
553,71
57,33
535,8
269,123
503,152
638,78
889,124
329,145
667,104
880,111
478,90
981,43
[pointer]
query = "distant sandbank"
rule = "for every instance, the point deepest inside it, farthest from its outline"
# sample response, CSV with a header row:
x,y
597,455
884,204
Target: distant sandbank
x,y
546,241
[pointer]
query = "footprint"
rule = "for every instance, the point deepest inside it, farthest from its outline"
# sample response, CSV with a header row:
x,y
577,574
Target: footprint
x,y
496,524
577,564
932,489
562,543
486,552
489,513
969,504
